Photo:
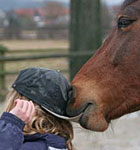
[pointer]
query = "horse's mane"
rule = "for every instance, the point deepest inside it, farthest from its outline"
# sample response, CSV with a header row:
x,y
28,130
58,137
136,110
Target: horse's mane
x,y
128,2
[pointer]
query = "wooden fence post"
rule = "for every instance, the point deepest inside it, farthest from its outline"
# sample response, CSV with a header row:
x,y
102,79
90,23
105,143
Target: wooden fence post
x,y
85,31
2,68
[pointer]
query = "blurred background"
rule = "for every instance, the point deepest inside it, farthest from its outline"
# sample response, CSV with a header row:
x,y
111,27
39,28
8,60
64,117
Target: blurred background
x,y
62,35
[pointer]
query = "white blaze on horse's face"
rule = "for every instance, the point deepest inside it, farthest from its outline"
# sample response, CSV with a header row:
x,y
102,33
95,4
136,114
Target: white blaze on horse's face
x,y
108,85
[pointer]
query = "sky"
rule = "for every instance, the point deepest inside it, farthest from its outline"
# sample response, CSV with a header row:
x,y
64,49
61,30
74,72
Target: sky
x,y
109,2
113,2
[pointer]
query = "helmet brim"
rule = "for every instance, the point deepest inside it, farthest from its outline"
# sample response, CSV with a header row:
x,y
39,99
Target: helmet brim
x,y
74,119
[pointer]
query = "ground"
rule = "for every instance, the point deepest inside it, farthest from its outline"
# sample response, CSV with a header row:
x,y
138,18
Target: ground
x,y
34,44
123,134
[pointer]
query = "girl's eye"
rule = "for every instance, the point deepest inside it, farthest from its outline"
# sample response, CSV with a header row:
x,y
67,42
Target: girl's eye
x,y
124,22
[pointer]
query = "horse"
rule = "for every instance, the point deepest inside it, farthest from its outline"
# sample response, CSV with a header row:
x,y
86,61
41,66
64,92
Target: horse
x,y
108,85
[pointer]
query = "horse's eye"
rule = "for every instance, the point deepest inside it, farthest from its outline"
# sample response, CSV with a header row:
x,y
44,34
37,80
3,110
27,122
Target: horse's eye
x,y
124,22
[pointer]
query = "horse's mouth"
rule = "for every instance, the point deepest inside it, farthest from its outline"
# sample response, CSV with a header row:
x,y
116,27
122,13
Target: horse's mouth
x,y
93,119
107,119
90,116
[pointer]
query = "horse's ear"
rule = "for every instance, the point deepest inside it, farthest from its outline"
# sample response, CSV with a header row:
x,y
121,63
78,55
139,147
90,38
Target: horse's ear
x,y
127,2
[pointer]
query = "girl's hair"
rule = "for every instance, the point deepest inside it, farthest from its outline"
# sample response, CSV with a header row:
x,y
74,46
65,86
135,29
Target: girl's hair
x,y
43,122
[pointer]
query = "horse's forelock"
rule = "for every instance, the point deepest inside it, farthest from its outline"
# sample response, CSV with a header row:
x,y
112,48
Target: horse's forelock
x,y
128,2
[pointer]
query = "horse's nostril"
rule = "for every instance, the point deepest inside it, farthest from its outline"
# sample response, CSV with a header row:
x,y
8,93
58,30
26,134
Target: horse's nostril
x,y
72,94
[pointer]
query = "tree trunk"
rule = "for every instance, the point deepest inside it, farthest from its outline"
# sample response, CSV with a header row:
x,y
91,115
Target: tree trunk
x,y
85,30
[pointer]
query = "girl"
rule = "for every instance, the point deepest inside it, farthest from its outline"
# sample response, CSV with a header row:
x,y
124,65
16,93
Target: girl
x,y
35,118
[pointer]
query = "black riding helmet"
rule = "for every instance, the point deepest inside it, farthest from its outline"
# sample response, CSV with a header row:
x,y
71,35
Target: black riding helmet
x,y
47,88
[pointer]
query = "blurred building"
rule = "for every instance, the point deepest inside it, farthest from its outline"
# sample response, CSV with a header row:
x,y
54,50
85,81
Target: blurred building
x,y
51,14
47,20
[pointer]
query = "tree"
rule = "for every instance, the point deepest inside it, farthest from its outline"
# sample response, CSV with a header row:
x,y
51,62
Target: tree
x,y
85,30
12,29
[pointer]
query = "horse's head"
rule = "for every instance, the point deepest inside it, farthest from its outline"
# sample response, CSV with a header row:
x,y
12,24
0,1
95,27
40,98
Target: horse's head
x,y
108,85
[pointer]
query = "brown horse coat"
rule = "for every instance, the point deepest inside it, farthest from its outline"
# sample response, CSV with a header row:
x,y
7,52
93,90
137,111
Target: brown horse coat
x,y
108,85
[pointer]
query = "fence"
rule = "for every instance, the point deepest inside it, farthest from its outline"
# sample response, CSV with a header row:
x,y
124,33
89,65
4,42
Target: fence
x,y
43,54
49,32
